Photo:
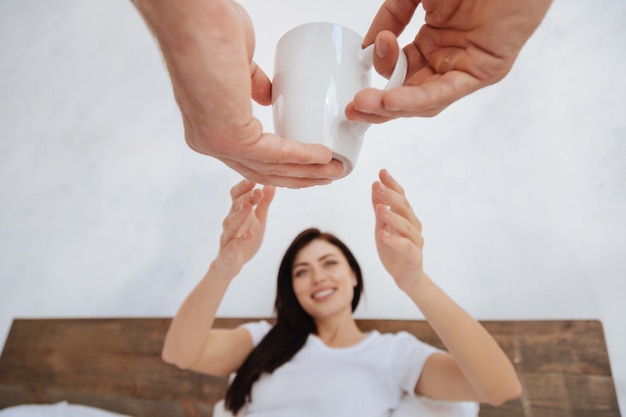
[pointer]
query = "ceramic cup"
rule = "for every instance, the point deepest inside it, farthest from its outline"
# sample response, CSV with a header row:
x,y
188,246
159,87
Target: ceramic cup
x,y
318,69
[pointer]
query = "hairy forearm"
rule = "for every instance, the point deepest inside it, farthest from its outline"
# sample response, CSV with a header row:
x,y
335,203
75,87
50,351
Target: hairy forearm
x,y
207,46
180,25
190,327
479,357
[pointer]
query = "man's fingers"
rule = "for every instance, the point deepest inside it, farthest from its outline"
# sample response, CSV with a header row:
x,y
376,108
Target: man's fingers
x,y
275,150
277,180
261,86
393,15
425,100
386,53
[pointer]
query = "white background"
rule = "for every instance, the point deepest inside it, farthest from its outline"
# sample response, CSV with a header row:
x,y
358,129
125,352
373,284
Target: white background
x,y
106,212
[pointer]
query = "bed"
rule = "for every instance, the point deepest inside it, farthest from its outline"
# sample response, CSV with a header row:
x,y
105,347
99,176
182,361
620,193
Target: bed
x,y
114,364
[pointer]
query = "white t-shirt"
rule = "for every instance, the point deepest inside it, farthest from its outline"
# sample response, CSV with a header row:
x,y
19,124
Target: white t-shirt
x,y
367,379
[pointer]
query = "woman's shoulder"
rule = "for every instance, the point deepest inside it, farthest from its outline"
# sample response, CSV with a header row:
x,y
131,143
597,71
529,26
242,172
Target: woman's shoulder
x,y
257,330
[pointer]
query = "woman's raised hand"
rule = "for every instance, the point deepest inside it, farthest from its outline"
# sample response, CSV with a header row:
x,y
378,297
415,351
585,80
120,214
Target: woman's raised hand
x,y
243,227
398,232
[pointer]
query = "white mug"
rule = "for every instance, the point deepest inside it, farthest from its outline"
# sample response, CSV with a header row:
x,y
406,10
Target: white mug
x,y
318,69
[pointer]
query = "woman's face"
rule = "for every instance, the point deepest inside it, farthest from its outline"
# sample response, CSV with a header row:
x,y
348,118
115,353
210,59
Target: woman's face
x,y
323,281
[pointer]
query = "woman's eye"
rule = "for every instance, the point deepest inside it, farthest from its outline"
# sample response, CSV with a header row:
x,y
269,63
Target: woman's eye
x,y
299,273
330,262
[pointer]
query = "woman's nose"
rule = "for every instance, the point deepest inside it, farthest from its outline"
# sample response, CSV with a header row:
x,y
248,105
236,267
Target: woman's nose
x,y
318,275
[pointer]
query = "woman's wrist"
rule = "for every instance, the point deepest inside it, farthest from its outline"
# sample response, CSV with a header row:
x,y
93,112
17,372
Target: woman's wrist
x,y
222,270
419,288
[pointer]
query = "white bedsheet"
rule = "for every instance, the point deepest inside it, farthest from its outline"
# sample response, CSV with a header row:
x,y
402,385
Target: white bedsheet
x,y
61,409
409,407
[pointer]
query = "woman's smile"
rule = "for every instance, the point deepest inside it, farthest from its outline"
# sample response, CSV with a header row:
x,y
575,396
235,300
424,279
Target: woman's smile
x,y
323,294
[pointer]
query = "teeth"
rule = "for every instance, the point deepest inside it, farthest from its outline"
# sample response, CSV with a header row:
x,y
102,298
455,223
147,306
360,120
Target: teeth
x,y
323,293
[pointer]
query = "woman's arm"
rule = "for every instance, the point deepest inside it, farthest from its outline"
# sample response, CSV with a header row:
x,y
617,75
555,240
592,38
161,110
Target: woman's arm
x,y
191,343
476,368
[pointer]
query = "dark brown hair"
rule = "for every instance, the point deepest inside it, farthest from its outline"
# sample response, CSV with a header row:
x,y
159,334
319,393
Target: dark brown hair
x,y
293,324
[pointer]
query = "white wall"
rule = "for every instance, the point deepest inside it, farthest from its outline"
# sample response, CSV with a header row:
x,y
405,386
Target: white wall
x,y
105,212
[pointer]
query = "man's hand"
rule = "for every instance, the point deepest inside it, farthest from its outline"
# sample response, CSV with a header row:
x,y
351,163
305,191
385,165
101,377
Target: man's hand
x,y
208,47
464,45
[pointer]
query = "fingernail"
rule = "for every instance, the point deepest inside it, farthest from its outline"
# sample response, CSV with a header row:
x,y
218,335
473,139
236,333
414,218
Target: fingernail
x,y
387,209
381,187
341,173
240,209
381,48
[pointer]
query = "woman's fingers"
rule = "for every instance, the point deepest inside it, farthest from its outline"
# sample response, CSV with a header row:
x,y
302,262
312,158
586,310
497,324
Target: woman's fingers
x,y
240,219
389,192
398,225
264,203
399,243
390,181
236,223
240,192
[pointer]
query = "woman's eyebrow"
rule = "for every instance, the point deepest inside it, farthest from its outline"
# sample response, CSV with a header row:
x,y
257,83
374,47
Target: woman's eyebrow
x,y
321,258
299,264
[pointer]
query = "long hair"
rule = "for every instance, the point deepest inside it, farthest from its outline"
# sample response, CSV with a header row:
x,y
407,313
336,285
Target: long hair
x,y
293,324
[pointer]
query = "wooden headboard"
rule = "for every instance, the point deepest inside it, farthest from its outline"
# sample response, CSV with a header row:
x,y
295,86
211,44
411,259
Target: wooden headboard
x,y
115,364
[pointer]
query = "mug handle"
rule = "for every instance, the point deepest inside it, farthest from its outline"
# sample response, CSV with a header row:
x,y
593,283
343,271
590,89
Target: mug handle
x,y
398,75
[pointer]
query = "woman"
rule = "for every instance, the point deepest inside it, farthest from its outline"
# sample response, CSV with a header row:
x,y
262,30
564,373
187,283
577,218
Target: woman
x,y
316,361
